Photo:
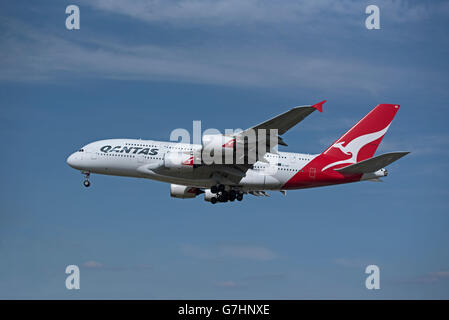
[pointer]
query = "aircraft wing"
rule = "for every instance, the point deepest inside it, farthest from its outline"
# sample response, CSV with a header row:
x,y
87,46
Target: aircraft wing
x,y
287,120
282,123
233,173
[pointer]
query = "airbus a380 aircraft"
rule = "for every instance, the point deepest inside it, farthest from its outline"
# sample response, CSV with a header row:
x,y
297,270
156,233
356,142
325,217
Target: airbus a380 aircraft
x,y
349,159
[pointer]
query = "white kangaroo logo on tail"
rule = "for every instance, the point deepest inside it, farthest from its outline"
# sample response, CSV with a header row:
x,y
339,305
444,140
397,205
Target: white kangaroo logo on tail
x,y
354,147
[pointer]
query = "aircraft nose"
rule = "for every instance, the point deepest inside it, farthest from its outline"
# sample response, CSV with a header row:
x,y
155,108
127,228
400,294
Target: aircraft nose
x,y
72,160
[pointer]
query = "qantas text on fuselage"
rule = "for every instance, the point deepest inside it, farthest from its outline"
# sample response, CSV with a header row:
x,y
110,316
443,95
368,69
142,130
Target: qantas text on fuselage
x,y
225,167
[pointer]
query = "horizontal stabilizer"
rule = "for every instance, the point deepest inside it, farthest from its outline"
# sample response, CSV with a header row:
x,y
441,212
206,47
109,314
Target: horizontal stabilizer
x,y
373,164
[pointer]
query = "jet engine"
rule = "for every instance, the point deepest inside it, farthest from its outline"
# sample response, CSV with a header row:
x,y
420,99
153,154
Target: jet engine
x,y
208,195
178,161
184,192
246,147
216,148
217,141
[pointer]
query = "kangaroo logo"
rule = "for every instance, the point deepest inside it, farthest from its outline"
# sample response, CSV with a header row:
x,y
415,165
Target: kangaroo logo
x,y
188,162
339,145
352,148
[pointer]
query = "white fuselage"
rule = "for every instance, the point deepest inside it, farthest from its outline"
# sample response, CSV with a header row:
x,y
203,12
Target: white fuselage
x,y
136,158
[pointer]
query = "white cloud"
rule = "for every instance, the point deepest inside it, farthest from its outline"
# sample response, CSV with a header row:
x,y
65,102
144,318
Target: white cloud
x,y
32,54
221,12
227,284
93,264
249,252
429,278
29,55
440,274
245,12
98,265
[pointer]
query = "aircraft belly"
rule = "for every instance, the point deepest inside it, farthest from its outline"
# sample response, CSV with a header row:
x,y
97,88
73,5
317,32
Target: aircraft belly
x,y
258,181
116,168
200,183
189,178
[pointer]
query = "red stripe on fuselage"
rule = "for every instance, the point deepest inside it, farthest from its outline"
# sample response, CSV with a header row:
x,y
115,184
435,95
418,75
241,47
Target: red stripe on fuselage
x,y
311,176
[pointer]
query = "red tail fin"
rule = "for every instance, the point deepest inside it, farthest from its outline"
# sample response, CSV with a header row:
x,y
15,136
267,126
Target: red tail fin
x,y
361,141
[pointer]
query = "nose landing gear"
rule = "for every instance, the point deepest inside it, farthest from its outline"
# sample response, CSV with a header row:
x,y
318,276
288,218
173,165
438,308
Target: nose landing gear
x,y
86,182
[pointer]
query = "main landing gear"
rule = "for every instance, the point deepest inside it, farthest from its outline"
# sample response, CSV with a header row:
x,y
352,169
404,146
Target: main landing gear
x,y
86,182
223,195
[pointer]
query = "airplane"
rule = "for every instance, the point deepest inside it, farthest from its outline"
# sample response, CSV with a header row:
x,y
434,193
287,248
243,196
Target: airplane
x,y
349,159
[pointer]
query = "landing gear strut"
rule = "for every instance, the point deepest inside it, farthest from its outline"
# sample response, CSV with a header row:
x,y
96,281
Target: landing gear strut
x,y
223,196
217,188
86,182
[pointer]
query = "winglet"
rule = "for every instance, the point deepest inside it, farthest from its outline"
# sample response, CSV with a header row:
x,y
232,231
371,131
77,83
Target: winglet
x,y
319,106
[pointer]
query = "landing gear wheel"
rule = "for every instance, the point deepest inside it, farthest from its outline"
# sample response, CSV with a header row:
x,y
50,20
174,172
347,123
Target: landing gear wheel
x,y
214,189
221,187
213,200
223,196
240,197
232,195
86,183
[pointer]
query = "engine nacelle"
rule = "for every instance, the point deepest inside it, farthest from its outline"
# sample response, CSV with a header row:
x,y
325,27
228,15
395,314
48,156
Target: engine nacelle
x,y
184,192
178,161
218,141
208,195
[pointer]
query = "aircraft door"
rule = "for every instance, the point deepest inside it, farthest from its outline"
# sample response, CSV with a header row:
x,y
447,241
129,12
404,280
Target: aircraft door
x,y
312,173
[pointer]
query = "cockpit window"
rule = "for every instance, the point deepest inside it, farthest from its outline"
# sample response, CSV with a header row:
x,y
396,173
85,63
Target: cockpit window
x,y
81,150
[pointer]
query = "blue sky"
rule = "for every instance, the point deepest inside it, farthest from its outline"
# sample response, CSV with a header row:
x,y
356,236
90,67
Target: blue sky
x,y
139,69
